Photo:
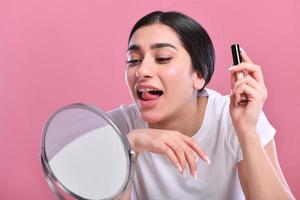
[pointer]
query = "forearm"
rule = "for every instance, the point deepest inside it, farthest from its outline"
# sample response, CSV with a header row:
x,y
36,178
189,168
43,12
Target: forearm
x,y
263,181
138,140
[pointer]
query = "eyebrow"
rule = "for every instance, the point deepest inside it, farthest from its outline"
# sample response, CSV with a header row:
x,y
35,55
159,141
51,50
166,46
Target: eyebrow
x,y
153,46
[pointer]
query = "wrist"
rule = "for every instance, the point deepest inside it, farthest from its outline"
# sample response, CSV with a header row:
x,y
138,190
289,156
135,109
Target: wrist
x,y
249,140
131,136
245,129
136,141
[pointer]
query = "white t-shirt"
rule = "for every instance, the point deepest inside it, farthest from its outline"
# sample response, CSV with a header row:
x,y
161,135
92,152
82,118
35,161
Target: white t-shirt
x,y
155,176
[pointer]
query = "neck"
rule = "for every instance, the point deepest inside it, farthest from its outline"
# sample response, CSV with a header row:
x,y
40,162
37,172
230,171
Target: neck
x,y
188,121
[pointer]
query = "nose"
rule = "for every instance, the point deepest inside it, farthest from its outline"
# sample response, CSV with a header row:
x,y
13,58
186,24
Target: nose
x,y
146,69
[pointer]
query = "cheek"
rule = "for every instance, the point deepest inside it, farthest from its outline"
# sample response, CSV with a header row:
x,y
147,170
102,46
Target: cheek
x,y
179,76
130,78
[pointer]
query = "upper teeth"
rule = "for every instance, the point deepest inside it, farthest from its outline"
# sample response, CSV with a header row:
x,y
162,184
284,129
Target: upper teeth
x,y
146,89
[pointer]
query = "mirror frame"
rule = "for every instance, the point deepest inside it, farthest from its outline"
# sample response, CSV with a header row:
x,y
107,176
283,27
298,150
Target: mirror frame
x,y
50,177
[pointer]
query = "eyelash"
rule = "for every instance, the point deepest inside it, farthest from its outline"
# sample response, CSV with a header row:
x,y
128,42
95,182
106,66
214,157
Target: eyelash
x,y
161,60
133,62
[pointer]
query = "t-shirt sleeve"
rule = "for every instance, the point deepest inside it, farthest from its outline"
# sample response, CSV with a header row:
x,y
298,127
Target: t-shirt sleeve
x,y
126,118
118,117
266,133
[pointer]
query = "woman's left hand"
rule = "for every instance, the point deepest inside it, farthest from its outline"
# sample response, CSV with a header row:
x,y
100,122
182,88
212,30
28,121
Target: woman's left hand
x,y
244,117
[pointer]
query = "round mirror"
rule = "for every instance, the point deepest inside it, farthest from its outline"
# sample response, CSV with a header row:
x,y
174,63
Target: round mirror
x,y
85,154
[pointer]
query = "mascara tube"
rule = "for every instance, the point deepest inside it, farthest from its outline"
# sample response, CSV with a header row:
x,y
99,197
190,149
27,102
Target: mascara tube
x,y
237,59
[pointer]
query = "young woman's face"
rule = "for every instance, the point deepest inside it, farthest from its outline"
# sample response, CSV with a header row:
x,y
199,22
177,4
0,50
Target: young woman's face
x,y
159,73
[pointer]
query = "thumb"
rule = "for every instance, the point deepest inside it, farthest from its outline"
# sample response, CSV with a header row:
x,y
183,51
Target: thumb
x,y
232,103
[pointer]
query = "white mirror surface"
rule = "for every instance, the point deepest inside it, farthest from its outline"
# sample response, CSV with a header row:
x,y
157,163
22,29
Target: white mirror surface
x,y
86,154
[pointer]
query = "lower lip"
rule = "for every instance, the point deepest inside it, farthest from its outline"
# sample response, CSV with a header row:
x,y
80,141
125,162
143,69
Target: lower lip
x,y
148,104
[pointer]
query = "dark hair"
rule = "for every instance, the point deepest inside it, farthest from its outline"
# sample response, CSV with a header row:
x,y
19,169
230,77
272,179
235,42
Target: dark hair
x,y
192,35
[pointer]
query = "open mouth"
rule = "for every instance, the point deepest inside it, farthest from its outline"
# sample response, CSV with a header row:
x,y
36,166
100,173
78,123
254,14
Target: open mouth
x,y
148,94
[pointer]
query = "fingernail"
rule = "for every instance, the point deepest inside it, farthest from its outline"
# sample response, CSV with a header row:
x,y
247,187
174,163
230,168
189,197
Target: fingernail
x,y
235,103
231,68
179,167
242,50
207,160
195,175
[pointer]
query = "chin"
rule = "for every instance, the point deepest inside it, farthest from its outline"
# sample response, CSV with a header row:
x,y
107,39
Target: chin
x,y
150,116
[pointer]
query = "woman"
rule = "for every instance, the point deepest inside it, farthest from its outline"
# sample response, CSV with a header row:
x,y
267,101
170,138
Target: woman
x,y
176,119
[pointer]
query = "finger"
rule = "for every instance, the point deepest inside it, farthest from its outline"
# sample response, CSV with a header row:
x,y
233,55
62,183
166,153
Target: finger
x,y
232,103
232,79
172,157
195,146
246,80
179,152
254,70
239,97
245,89
191,162
245,57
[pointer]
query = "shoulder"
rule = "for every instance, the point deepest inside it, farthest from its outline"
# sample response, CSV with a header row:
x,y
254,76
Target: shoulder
x,y
217,98
124,111
126,115
219,105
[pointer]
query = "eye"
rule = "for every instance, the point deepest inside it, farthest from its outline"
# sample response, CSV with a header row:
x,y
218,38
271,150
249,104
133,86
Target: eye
x,y
133,62
163,60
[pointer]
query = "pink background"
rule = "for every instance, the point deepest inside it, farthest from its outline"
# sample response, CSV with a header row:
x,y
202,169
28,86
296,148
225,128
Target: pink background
x,y
54,53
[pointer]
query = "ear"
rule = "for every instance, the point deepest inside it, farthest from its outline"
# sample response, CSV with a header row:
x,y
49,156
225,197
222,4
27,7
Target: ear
x,y
199,81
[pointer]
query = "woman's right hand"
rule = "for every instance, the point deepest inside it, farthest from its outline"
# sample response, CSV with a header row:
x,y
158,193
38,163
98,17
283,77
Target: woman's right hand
x,y
179,148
